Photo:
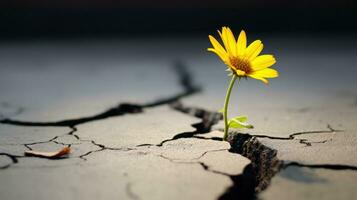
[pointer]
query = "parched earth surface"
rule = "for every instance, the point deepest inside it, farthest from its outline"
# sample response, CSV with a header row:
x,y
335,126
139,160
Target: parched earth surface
x,y
141,120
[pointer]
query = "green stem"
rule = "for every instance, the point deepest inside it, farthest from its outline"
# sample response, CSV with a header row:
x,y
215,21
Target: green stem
x,y
226,102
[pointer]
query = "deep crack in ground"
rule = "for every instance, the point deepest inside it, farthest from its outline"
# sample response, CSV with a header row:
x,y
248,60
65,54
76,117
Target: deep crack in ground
x,y
264,164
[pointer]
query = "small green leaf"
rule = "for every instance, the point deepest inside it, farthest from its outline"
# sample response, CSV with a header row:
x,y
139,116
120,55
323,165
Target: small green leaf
x,y
239,122
221,110
241,118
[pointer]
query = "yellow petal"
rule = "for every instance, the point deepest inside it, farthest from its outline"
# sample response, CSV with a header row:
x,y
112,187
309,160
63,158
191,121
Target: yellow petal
x,y
231,42
266,73
259,78
241,43
237,71
220,55
223,35
240,72
262,62
216,45
253,50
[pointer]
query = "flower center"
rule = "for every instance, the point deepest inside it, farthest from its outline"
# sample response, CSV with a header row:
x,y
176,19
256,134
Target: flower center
x,y
241,64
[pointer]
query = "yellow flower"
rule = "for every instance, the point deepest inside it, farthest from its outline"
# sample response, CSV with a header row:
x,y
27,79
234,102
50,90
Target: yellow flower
x,y
243,61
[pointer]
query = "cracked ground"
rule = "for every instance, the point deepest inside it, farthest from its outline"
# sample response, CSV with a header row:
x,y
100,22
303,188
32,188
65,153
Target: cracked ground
x,y
143,123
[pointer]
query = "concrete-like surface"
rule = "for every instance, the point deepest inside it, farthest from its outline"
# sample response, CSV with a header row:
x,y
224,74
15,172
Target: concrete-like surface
x,y
115,103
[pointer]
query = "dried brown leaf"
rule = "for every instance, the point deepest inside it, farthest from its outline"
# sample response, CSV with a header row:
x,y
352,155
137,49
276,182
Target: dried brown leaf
x,y
42,154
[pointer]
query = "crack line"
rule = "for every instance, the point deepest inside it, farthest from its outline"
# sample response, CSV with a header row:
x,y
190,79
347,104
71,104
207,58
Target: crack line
x,y
322,166
302,141
202,164
13,158
208,119
130,192
185,81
